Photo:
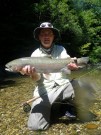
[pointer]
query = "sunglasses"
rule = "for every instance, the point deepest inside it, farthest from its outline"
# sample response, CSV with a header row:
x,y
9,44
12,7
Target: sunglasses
x,y
45,25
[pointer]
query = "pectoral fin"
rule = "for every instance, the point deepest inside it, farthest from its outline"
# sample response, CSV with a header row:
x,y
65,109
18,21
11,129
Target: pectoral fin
x,y
66,70
46,75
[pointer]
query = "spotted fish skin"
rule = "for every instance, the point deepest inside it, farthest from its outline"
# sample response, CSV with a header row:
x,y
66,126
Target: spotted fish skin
x,y
43,64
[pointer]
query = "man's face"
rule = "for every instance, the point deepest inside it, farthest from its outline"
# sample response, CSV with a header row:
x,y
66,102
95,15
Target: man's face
x,y
46,37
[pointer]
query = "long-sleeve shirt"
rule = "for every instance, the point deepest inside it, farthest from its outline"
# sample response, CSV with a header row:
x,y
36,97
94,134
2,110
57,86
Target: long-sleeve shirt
x,y
47,81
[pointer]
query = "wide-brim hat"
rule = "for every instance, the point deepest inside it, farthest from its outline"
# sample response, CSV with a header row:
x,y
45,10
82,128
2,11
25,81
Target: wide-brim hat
x,y
46,25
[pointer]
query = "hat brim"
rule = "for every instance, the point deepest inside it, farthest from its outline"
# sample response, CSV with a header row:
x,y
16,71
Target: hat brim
x,y
38,29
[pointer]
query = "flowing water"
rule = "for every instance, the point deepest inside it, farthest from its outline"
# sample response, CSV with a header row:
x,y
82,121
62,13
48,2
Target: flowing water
x,y
15,89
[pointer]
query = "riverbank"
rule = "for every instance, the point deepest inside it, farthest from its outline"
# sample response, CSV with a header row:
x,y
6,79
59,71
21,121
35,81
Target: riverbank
x,y
16,90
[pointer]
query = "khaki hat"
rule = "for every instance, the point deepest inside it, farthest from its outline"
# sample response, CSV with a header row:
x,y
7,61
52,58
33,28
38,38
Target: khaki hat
x,y
46,25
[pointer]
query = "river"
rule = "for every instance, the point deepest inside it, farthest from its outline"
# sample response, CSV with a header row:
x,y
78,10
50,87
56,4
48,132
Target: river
x,y
15,89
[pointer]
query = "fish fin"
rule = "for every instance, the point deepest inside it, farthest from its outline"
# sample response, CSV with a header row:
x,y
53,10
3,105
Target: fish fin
x,y
46,75
83,60
66,70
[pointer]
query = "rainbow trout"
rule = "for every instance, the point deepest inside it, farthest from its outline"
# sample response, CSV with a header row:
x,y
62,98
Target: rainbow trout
x,y
41,64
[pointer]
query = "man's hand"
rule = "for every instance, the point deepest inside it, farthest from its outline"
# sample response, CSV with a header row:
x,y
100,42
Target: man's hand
x,y
27,70
72,66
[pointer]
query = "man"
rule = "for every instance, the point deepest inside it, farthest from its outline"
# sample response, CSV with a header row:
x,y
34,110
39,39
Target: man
x,y
50,87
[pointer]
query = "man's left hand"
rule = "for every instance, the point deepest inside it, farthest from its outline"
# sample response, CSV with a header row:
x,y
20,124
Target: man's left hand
x,y
72,66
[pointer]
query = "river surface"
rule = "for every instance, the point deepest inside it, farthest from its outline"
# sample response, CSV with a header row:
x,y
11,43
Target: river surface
x,y
15,89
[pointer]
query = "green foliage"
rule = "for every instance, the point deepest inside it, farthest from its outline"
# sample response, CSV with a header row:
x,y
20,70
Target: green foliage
x,y
79,22
85,49
95,55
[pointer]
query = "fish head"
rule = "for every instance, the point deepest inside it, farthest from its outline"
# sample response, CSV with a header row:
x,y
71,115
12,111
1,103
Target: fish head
x,y
13,66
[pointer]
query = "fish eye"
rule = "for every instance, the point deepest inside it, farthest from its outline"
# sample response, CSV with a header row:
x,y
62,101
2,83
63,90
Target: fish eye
x,y
10,66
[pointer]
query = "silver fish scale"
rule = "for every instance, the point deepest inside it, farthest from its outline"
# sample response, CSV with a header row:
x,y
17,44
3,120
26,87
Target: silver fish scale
x,y
43,61
41,64
49,65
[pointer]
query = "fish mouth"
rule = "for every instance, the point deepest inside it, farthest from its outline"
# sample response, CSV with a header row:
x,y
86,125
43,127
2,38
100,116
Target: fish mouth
x,y
8,69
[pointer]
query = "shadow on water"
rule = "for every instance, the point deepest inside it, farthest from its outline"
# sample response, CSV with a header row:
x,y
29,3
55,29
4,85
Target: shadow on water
x,y
6,83
8,79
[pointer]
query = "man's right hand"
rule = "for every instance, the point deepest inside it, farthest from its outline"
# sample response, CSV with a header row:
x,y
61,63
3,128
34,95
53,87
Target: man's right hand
x,y
27,70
